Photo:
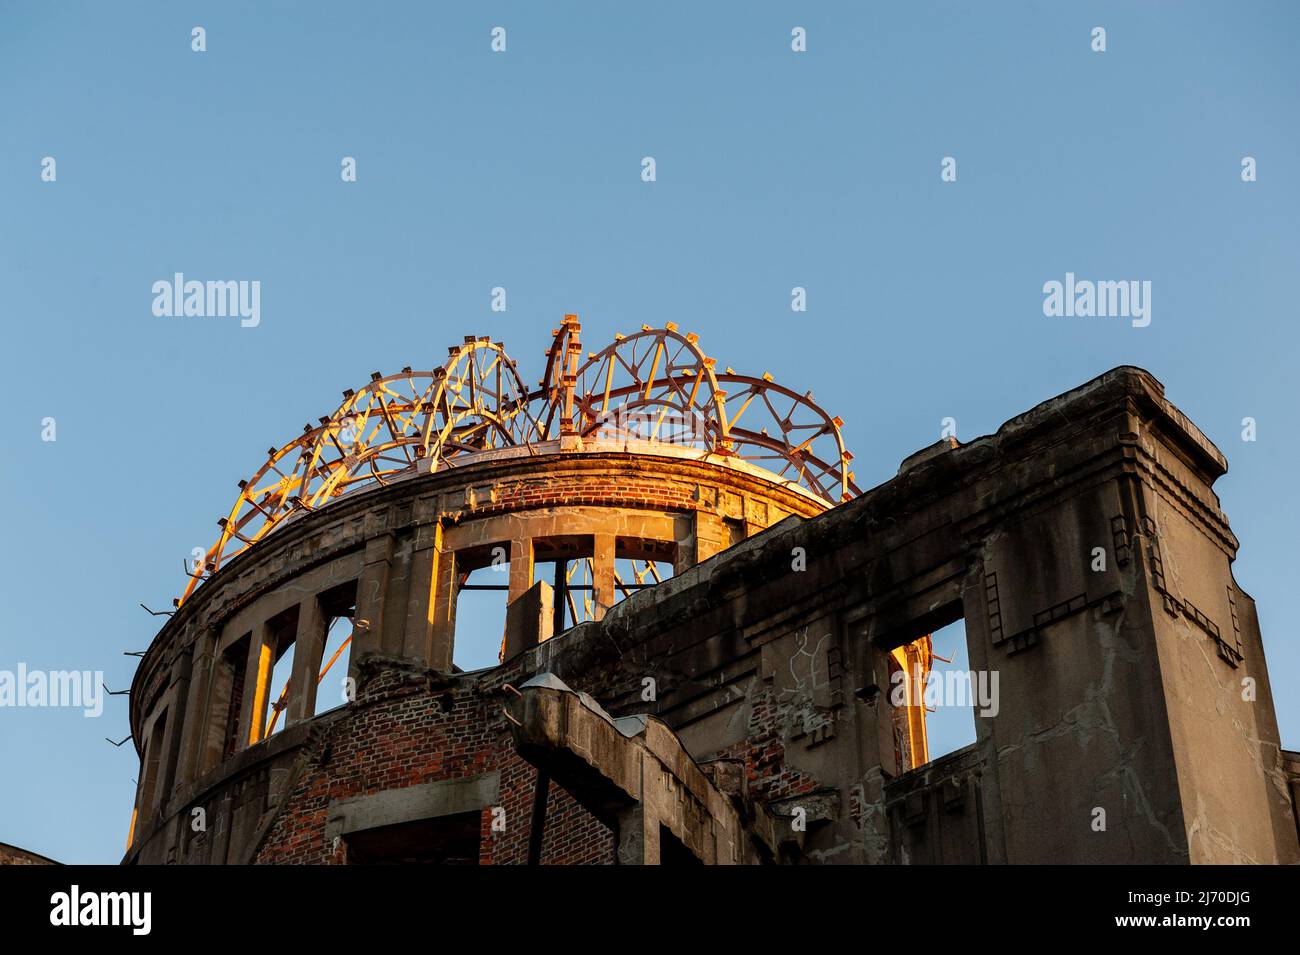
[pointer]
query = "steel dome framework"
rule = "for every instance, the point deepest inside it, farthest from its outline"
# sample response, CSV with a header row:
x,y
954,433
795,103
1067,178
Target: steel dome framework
x,y
652,387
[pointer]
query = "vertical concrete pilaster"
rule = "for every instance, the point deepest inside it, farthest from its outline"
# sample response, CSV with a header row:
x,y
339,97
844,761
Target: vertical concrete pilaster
x,y
521,568
396,596
421,597
197,704
179,694
257,684
372,587
603,596
309,647
442,612
707,536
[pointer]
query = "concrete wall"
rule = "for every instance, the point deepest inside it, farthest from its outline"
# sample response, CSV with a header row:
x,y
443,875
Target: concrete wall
x,y
1111,702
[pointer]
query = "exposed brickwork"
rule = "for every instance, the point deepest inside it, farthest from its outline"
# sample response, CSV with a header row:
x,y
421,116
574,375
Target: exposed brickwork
x,y
413,727
768,775
406,730
569,490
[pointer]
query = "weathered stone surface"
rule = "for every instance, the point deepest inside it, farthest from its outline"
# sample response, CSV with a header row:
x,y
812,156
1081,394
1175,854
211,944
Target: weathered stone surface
x,y
763,666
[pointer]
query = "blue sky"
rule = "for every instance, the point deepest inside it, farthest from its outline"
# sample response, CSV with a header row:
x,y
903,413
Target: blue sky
x,y
522,170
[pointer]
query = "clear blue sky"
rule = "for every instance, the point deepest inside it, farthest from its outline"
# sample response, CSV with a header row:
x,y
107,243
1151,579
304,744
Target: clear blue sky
x,y
522,170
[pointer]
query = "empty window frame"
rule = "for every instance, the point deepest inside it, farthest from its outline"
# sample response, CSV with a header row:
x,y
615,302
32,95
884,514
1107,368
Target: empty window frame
x,y
482,593
933,692
338,608
280,634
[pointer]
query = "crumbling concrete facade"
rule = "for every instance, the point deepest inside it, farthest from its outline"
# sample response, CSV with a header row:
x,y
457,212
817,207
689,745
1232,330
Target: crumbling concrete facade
x,y
1133,688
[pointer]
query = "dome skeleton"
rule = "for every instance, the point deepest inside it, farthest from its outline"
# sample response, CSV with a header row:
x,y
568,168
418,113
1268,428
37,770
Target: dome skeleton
x,y
647,389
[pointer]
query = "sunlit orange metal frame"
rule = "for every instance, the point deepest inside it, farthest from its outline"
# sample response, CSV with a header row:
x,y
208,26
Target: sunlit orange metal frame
x,y
653,386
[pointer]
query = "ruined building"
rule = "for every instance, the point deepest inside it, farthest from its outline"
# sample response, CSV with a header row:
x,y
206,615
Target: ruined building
x,y
700,625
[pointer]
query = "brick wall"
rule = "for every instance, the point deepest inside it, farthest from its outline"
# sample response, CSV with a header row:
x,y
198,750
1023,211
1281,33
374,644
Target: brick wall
x,y
576,490
407,730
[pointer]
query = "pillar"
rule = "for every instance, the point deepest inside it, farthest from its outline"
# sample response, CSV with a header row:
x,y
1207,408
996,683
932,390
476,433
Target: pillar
x,y
309,647
442,608
257,684
421,595
372,587
603,596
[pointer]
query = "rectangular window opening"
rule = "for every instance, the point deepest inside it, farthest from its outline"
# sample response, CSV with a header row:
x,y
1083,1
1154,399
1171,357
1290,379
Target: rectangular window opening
x,y
339,608
331,681
281,633
933,692
635,574
482,593
566,564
